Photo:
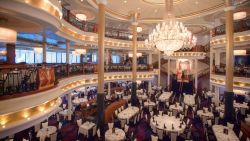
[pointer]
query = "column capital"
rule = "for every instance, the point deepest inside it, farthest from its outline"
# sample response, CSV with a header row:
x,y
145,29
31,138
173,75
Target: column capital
x,y
104,2
229,8
134,18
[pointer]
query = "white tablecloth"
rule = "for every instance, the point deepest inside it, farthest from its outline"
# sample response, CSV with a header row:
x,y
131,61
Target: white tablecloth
x,y
139,91
189,100
168,121
85,127
119,135
126,97
149,103
79,100
128,113
178,107
165,96
239,105
206,114
45,132
119,93
220,136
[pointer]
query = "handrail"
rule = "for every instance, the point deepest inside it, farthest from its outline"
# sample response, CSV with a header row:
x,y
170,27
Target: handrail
x,y
239,26
93,27
15,79
238,71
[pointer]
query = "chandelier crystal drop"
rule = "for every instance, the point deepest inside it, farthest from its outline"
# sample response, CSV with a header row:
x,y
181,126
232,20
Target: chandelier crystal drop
x,y
170,35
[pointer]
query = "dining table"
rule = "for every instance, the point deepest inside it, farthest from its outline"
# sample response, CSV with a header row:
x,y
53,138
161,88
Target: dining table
x,y
117,135
221,135
45,132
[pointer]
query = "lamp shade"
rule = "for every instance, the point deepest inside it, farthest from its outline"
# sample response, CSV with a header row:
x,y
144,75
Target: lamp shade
x,y
7,35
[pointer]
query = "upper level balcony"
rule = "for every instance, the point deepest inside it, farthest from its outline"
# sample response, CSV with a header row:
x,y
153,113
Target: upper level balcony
x,y
93,27
239,70
19,80
239,26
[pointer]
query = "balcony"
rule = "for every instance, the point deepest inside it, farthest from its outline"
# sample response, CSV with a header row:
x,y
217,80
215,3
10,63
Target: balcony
x,y
21,80
93,27
239,26
239,71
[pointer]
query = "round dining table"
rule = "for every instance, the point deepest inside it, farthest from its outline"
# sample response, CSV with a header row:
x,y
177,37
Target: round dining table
x,y
168,123
77,101
118,135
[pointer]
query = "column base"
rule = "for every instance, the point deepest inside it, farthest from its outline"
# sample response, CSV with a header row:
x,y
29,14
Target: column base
x,y
229,109
100,112
133,94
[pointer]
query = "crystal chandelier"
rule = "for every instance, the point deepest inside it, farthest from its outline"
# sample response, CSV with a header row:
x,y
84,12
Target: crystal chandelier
x,y
170,35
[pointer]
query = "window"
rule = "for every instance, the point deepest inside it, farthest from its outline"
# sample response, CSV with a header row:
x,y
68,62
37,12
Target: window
x,y
94,58
20,56
115,59
58,57
27,56
38,58
63,57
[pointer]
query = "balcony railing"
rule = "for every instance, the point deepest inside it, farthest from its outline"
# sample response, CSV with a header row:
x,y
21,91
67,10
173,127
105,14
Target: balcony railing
x,y
239,26
239,71
92,27
25,79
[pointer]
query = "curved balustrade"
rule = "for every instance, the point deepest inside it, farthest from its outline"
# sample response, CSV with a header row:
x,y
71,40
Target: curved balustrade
x,y
239,26
15,79
239,71
92,27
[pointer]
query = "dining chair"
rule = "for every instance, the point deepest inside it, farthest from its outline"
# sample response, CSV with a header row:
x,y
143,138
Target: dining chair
x,y
45,124
53,137
59,126
240,135
94,131
173,136
160,134
123,122
154,138
126,128
209,122
37,127
230,126
111,125
79,122
98,133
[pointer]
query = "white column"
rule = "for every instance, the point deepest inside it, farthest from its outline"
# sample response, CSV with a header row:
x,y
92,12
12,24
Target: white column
x,y
150,58
67,51
217,58
169,74
159,67
211,60
44,51
69,106
109,88
149,85
196,74
217,95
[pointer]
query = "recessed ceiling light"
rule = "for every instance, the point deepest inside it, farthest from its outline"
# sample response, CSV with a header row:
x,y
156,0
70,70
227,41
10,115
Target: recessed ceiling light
x,y
196,2
81,0
81,17
125,1
138,8
240,15
156,10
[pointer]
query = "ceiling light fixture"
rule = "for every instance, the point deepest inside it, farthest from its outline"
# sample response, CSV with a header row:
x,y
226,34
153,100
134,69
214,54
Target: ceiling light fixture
x,y
240,15
170,35
139,29
81,17
7,35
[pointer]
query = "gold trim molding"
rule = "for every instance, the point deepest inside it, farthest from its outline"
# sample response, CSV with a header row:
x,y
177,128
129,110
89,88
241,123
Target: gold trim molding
x,y
238,39
28,113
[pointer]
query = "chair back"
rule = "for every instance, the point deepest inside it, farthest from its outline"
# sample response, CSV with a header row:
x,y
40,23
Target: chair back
x,y
230,126
37,127
173,136
154,138
123,122
126,128
209,122
59,125
98,133
160,134
53,137
79,122
45,125
111,125
94,130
